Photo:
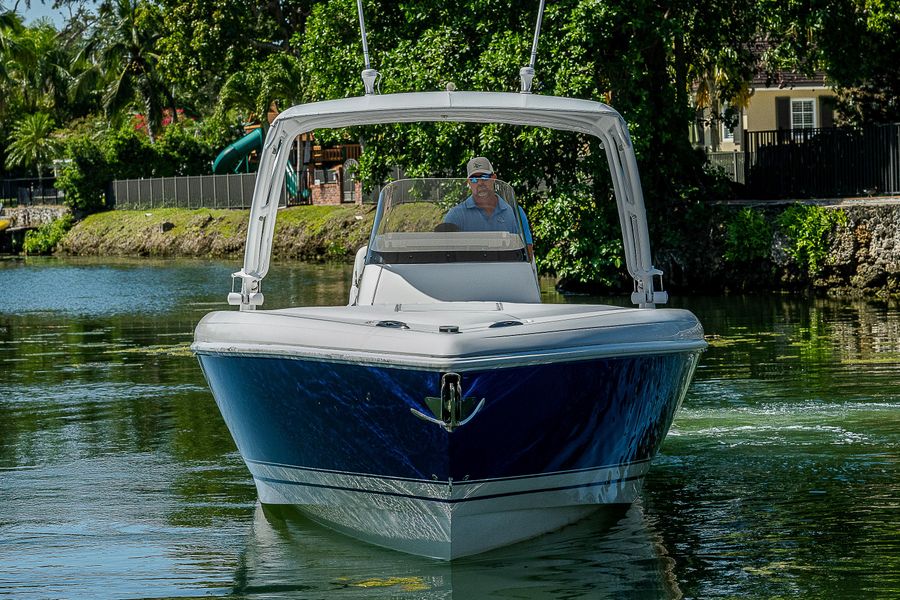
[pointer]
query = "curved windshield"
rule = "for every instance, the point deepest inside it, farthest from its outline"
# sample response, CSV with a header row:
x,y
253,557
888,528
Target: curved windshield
x,y
447,220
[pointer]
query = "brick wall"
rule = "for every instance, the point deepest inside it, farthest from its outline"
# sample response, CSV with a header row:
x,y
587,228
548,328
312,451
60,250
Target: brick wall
x,y
331,193
325,193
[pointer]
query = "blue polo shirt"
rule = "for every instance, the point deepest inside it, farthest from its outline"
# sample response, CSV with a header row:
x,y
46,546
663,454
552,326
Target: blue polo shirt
x,y
468,217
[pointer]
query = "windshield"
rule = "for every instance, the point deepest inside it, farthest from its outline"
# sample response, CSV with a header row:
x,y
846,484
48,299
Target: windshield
x,y
447,220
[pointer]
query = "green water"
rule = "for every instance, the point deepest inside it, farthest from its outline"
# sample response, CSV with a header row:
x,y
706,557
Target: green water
x,y
118,478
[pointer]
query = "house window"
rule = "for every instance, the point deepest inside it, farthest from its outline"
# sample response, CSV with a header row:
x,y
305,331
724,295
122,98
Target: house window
x,y
727,132
803,113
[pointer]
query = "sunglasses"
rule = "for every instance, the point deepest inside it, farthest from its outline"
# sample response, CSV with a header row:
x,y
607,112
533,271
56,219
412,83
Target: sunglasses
x,y
482,177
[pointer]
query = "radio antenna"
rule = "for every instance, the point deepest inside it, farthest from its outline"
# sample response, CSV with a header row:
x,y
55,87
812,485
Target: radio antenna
x,y
369,75
526,74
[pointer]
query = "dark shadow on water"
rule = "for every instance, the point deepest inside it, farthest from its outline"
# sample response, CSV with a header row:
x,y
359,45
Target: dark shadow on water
x,y
614,553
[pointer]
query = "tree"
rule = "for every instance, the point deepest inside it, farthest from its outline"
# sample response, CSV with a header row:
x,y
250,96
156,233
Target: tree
x,y
40,69
853,41
124,44
84,178
32,144
43,70
252,90
207,42
642,56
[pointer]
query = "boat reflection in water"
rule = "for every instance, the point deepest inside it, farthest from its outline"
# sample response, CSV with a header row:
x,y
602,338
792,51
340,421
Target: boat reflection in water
x,y
614,553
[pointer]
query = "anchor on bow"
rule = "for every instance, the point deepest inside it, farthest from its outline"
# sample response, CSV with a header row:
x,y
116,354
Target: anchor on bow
x,y
450,410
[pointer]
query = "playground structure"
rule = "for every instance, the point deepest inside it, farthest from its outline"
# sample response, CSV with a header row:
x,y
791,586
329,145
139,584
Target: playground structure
x,y
314,175
235,158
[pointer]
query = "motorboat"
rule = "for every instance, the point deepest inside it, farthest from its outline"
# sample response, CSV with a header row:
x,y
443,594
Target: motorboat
x,y
445,410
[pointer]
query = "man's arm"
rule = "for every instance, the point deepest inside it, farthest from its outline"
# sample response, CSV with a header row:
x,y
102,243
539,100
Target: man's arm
x,y
526,232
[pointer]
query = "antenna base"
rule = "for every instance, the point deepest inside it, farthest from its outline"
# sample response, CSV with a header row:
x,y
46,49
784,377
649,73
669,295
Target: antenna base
x,y
526,74
369,77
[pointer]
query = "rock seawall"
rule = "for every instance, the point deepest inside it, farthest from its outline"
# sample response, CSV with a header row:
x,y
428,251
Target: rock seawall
x,y
32,216
860,254
865,253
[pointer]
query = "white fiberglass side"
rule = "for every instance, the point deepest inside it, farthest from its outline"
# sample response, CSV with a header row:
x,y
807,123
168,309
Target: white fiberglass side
x,y
476,107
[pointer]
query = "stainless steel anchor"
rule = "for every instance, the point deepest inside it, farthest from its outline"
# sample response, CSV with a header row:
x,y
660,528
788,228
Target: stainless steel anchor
x,y
450,410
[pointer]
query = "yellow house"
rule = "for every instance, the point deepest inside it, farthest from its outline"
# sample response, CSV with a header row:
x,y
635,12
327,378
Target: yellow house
x,y
785,101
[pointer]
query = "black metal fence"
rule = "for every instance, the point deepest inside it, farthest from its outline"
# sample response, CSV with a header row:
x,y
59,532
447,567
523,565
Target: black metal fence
x,y
201,191
822,163
29,192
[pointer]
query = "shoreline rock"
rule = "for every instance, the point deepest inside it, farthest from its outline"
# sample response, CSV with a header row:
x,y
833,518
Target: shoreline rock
x,y
860,254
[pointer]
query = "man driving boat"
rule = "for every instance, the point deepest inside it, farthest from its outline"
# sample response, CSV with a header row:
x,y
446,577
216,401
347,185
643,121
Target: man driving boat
x,y
484,210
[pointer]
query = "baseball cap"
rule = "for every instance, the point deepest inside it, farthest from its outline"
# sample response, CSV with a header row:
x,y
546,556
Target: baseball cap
x,y
479,164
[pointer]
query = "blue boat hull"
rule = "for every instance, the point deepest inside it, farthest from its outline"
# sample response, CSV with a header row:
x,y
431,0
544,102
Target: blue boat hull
x,y
552,441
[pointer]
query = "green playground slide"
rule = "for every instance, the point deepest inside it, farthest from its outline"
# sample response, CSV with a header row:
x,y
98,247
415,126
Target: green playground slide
x,y
234,157
291,180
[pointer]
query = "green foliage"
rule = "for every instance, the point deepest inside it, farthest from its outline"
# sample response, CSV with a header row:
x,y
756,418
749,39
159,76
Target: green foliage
x,y
204,42
178,151
128,154
275,80
44,239
125,44
808,229
577,238
748,236
218,130
182,150
40,66
83,180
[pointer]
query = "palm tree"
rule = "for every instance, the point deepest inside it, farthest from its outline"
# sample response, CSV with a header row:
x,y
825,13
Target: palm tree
x,y
254,89
38,72
10,23
32,144
40,68
124,45
10,27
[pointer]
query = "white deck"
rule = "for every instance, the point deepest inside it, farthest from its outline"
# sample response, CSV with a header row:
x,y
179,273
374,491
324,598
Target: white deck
x,y
548,333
